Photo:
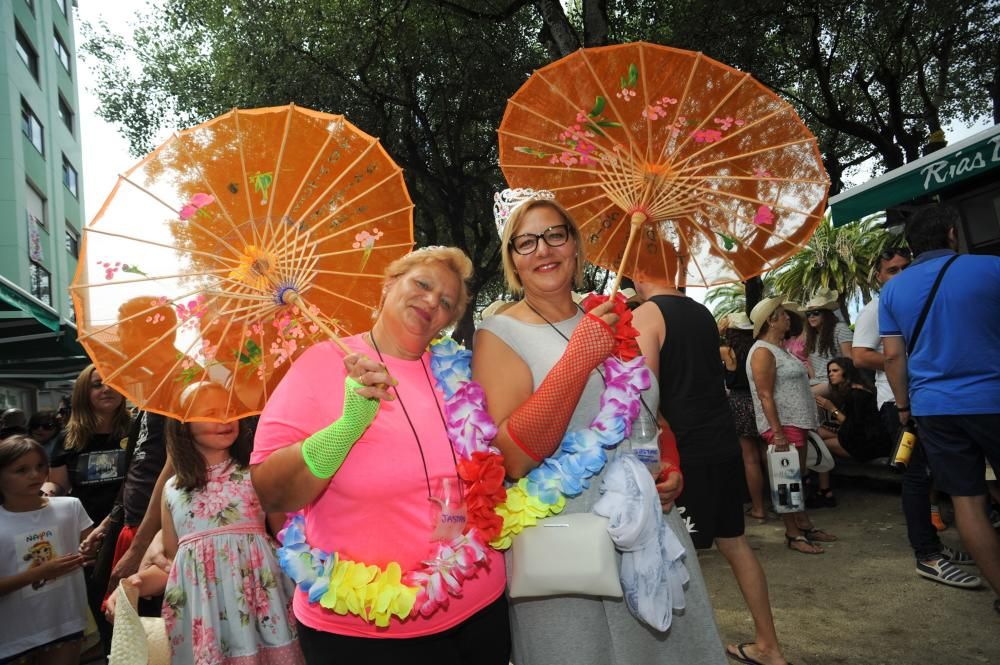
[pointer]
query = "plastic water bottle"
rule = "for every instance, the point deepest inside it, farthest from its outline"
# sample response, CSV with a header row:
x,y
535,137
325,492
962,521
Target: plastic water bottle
x,y
644,442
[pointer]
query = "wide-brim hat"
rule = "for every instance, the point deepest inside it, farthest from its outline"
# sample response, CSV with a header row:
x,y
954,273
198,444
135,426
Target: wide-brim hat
x,y
792,306
822,299
763,310
740,321
818,457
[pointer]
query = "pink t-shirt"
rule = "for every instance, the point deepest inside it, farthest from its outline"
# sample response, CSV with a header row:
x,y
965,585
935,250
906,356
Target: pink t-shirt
x,y
375,508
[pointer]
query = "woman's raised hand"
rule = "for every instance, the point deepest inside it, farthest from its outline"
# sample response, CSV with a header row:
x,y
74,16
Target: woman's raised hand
x,y
604,313
373,377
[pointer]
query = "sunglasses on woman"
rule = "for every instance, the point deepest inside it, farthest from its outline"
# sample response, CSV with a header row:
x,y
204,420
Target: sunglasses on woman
x,y
814,312
527,243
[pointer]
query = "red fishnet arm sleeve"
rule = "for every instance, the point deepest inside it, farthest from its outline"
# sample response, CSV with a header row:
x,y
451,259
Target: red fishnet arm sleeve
x,y
538,425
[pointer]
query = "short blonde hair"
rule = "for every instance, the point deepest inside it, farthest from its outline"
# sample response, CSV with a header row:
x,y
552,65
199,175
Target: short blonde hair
x,y
514,284
451,257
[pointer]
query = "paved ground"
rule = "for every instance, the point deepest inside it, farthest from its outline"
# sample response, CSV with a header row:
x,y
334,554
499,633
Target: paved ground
x,y
860,602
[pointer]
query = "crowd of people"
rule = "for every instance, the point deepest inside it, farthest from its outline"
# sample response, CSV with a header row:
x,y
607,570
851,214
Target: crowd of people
x,y
355,518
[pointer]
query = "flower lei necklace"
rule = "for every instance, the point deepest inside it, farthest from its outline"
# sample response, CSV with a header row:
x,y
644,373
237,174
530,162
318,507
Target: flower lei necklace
x,y
495,514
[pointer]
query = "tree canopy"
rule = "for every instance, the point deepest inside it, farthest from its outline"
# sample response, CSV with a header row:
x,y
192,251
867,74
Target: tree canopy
x,y
431,78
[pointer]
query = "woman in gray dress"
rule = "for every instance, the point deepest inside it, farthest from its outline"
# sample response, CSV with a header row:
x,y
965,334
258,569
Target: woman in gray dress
x,y
536,362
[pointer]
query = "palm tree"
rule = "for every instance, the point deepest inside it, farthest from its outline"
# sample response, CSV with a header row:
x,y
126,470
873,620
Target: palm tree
x,y
836,258
730,298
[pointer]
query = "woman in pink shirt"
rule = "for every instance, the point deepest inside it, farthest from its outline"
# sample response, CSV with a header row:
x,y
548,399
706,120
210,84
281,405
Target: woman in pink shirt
x,y
359,446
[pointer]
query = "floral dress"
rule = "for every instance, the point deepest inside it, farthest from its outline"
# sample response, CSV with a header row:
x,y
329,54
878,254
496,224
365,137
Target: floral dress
x,y
227,601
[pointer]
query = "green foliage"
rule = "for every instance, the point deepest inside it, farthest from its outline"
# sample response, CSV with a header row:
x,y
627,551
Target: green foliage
x,y
724,300
835,258
431,84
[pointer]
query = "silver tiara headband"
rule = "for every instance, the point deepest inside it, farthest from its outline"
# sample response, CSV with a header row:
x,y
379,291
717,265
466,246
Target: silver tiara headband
x,y
505,202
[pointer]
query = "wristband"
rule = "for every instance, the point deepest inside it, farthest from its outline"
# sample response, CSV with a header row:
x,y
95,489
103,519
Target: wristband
x,y
902,408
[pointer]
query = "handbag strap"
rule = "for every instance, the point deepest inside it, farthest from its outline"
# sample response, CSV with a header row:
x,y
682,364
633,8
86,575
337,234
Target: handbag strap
x,y
927,305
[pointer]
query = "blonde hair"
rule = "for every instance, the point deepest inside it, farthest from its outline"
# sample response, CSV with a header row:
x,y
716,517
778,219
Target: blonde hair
x,y
452,258
82,422
514,284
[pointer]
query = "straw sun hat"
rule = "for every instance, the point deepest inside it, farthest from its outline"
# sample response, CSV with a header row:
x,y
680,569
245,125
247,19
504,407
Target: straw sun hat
x,y
822,299
740,321
763,310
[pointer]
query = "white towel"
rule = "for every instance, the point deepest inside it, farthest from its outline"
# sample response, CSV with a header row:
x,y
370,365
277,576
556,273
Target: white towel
x,y
653,573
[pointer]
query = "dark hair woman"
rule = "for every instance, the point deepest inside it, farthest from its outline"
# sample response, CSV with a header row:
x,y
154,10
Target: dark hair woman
x,y
860,435
826,338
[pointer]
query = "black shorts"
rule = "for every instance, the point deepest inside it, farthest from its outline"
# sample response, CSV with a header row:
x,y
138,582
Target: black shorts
x,y
713,500
483,639
957,448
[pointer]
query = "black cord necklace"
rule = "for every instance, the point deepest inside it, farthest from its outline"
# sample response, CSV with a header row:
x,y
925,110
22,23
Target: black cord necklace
x,y
420,447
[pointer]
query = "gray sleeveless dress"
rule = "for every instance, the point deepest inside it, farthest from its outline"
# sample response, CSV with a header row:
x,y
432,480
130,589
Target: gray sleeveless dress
x,y
579,630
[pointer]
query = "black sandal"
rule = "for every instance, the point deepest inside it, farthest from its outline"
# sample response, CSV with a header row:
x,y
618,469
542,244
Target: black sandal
x,y
824,498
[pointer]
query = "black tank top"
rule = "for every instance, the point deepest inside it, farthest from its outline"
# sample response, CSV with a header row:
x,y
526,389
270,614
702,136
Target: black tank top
x,y
692,382
737,379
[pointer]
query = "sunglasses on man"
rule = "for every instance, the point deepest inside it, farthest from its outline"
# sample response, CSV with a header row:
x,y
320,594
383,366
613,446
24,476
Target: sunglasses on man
x,y
892,252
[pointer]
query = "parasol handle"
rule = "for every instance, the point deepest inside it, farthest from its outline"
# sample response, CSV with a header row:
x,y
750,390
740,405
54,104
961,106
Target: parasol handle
x,y
290,297
638,217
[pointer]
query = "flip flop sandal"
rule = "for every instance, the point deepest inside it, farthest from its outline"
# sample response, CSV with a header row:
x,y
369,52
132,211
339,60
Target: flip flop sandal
x,y
742,657
818,535
791,540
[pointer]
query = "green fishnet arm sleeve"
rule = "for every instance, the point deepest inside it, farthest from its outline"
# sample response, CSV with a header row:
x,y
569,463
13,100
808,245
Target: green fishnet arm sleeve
x,y
325,450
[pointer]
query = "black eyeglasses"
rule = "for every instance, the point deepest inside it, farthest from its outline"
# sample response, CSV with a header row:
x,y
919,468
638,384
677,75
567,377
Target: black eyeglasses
x,y
888,254
46,426
814,312
527,243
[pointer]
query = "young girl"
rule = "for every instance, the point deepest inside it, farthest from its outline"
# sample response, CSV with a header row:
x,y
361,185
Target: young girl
x,y
43,602
226,599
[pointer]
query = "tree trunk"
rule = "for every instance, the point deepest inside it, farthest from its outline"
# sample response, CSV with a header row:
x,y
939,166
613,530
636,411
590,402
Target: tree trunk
x,y
558,26
595,23
465,329
754,290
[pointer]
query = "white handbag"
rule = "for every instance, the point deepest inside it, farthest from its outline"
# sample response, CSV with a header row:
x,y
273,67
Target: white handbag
x,y
565,555
136,640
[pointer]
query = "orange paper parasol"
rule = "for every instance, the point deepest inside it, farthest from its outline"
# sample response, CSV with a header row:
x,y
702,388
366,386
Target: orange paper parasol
x,y
678,169
222,255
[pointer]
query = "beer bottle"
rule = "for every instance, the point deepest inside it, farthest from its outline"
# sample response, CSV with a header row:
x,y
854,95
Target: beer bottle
x,y
904,446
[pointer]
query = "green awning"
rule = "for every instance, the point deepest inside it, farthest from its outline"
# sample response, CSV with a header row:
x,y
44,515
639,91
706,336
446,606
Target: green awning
x,y
968,158
12,298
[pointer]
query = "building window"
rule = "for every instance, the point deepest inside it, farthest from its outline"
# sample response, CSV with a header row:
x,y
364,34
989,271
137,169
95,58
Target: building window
x,y
61,52
66,114
61,4
72,241
35,205
69,176
41,283
25,50
32,127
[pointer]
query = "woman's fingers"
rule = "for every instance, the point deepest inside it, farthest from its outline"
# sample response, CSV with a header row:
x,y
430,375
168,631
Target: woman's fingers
x,y
373,377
